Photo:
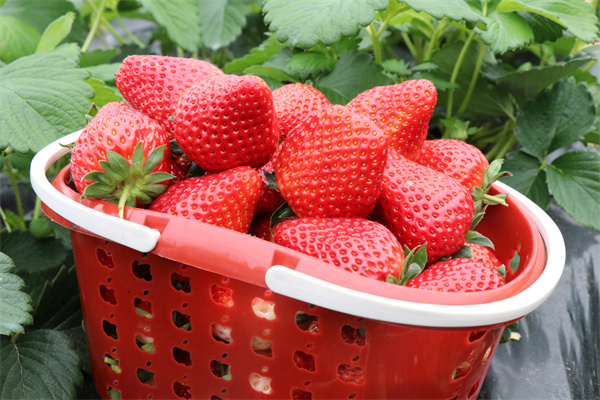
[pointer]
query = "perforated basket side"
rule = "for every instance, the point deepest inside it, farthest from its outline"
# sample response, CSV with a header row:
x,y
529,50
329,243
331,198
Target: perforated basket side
x,y
161,329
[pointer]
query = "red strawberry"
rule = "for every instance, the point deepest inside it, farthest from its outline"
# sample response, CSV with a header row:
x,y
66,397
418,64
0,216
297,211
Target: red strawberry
x,y
226,199
454,158
294,103
153,84
332,166
133,151
423,206
262,229
402,111
227,121
356,245
457,275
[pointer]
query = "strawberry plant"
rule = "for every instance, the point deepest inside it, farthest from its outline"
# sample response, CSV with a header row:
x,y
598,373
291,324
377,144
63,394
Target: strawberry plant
x,y
513,78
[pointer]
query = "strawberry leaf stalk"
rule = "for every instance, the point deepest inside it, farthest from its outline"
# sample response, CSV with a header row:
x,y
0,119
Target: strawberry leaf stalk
x,y
128,184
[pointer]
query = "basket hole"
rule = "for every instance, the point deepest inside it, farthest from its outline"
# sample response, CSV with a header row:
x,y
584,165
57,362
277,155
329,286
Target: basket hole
x,y
487,354
215,397
143,308
262,347
473,390
476,335
462,370
353,335
110,329
144,343
182,356
182,321
299,394
104,258
260,383
146,377
220,370
113,394
112,363
108,295
141,270
352,396
304,360
221,333
181,390
307,322
221,295
181,282
351,374
263,308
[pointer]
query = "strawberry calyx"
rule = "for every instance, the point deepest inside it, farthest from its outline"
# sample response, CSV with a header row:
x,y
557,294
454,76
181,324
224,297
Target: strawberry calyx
x,y
127,183
481,198
414,263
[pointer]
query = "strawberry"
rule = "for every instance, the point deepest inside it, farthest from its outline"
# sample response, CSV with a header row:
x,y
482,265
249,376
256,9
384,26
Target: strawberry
x,y
122,156
294,103
356,245
262,229
423,206
153,84
332,166
226,199
457,275
402,111
454,158
227,121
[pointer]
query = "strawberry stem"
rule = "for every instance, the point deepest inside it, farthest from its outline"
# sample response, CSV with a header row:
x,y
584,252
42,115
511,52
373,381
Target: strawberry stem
x,y
123,200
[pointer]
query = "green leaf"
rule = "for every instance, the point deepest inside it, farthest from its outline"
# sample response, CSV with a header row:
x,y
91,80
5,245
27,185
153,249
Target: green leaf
x,y
574,180
515,261
353,74
15,305
58,306
457,10
222,21
575,15
103,93
544,30
284,211
55,33
304,23
98,57
528,177
475,237
507,31
526,84
30,254
309,64
104,72
257,56
37,13
270,72
18,39
41,228
41,364
556,118
179,18
43,97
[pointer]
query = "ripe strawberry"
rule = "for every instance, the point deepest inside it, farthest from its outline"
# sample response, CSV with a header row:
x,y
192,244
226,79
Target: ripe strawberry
x,y
356,245
226,199
133,151
332,166
402,111
262,229
153,84
454,158
423,206
227,121
294,103
457,275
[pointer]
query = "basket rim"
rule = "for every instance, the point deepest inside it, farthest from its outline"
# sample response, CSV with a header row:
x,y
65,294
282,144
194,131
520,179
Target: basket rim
x,y
146,231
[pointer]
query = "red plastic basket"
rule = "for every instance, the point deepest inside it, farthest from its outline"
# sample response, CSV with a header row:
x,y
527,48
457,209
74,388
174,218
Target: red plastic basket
x,y
210,313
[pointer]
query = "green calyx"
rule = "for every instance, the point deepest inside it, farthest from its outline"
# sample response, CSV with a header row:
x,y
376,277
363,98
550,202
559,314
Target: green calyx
x,y
481,198
414,263
126,183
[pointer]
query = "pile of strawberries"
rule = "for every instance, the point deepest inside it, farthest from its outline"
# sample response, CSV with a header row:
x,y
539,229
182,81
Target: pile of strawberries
x,y
358,186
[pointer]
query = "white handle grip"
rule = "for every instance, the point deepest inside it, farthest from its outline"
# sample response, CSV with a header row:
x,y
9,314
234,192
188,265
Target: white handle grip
x,y
127,233
312,290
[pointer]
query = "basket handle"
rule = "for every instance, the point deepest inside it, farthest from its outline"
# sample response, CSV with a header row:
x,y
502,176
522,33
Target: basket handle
x,y
127,233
